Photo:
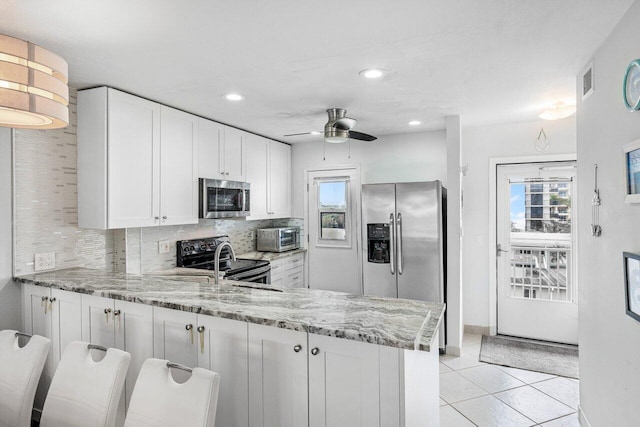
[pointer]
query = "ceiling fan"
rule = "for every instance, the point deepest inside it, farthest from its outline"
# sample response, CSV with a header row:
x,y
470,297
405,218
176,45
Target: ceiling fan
x,y
338,128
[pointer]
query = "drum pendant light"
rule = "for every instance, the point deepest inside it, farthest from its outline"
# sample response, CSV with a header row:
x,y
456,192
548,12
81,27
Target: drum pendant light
x,y
33,86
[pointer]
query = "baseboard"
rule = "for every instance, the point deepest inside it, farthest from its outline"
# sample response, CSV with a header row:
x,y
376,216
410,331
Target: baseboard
x,y
583,418
477,330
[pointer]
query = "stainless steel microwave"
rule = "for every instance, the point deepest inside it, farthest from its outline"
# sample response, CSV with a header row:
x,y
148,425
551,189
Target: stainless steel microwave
x,y
224,199
278,239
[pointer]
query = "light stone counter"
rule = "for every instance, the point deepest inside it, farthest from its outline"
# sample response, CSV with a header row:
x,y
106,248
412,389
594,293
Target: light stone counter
x,y
399,323
271,256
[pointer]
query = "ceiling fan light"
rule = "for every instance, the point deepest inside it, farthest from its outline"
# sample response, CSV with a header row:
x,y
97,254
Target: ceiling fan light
x,y
33,86
336,139
558,111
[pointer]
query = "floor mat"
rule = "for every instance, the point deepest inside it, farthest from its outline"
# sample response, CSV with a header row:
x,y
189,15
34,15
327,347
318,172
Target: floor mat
x,y
549,358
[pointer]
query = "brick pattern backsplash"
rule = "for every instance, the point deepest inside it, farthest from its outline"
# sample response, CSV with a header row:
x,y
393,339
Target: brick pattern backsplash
x,y
46,218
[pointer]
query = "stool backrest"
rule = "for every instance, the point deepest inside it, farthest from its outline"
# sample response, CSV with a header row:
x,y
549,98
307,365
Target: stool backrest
x,y
84,392
20,370
158,400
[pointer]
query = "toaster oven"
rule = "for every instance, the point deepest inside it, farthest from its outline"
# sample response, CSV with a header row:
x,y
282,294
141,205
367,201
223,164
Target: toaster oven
x,y
279,239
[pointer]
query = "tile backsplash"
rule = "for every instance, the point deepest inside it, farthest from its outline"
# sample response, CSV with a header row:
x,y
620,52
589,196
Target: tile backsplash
x,y
46,206
46,214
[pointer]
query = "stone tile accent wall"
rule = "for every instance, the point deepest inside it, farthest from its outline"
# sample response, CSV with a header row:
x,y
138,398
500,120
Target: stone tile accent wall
x,y
46,218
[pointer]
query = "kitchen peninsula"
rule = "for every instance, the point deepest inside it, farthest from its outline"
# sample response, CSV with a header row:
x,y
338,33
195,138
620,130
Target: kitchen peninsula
x,y
287,357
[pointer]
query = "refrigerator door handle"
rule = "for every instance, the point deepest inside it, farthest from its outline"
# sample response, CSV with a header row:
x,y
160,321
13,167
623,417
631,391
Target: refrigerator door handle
x,y
392,243
399,242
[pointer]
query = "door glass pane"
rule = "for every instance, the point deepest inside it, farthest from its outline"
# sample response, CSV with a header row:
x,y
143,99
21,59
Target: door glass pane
x,y
333,225
541,245
332,194
541,207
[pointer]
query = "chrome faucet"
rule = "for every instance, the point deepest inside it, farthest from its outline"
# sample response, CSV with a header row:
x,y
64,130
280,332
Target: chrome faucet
x,y
216,259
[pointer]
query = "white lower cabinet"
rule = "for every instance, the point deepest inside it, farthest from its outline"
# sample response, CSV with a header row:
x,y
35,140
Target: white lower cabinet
x,y
288,272
344,383
54,314
123,325
278,377
211,343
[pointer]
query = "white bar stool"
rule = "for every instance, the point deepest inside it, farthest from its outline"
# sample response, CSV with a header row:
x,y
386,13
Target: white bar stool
x,y
84,392
159,401
20,370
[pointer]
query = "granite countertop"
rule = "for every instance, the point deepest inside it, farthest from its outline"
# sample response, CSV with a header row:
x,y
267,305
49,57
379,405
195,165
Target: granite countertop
x,y
270,256
396,323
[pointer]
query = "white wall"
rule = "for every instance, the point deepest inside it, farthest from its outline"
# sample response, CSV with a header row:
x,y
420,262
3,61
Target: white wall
x,y
10,312
609,339
479,144
392,158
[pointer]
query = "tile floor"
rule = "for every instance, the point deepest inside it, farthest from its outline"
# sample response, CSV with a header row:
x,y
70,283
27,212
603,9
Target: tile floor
x,y
473,393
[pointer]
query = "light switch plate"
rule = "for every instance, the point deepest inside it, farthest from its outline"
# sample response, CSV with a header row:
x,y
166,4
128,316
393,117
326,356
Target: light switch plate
x,y
45,261
163,246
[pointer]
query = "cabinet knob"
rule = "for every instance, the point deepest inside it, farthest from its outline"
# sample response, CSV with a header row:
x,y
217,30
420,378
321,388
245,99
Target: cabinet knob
x,y
107,310
297,348
188,327
315,351
164,218
116,313
156,218
200,328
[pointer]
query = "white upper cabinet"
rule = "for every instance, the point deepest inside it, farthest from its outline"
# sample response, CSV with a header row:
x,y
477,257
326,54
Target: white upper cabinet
x,y
269,173
257,156
234,169
178,167
280,180
221,151
137,162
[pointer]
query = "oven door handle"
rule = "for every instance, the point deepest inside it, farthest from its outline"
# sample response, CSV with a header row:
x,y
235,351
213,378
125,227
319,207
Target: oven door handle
x,y
255,273
249,278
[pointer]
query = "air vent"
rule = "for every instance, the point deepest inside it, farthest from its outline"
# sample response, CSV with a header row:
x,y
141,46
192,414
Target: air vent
x,y
587,82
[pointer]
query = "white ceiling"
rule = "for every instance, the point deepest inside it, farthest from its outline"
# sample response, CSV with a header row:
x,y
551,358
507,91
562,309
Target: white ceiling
x,y
491,61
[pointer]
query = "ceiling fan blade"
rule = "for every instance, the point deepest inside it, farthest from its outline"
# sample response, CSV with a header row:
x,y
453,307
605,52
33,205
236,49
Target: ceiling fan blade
x,y
345,123
361,136
299,134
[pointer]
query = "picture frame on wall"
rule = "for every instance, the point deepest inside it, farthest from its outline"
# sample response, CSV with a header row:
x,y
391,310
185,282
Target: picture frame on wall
x,y
632,171
631,264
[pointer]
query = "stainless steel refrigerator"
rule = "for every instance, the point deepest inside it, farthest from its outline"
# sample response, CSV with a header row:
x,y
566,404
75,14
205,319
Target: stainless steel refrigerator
x,y
404,243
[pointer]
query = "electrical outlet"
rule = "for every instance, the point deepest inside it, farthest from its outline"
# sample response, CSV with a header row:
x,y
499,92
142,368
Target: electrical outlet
x,y
163,246
46,261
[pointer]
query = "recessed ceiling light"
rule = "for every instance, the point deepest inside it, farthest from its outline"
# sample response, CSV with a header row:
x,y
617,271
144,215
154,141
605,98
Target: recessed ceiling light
x,y
315,132
233,97
414,123
372,73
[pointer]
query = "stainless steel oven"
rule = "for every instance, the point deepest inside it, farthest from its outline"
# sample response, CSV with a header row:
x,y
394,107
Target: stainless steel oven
x,y
257,275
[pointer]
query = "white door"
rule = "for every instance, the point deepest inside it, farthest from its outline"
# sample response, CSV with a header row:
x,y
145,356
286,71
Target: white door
x,y
537,287
178,167
134,334
344,383
278,377
38,321
233,160
257,159
134,161
175,338
98,321
210,149
224,350
279,180
334,222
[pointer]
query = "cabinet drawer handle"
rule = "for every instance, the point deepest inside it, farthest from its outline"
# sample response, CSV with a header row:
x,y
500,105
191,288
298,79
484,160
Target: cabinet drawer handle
x,y
116,313
315,351
297,348
201,333
189,328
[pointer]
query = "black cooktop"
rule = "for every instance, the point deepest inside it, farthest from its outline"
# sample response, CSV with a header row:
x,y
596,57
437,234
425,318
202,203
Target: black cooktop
x,y
200,253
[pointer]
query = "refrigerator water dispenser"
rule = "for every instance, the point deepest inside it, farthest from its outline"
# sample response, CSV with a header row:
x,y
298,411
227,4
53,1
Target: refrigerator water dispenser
x,y
378,243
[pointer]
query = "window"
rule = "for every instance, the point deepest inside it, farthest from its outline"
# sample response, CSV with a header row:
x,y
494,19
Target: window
x,y
536,200
333,209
